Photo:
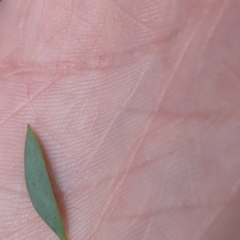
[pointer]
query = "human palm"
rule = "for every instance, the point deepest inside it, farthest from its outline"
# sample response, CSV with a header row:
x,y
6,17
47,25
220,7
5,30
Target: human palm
x,y
136,106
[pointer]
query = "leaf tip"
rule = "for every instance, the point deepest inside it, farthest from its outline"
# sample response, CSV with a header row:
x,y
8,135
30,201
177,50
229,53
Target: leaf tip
x,y
29,129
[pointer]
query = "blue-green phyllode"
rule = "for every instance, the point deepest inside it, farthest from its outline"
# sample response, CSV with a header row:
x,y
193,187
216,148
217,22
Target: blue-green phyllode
x,y
39,186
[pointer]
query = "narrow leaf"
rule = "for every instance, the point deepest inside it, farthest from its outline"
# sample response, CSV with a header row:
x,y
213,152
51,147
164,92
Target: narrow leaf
x,y
39,186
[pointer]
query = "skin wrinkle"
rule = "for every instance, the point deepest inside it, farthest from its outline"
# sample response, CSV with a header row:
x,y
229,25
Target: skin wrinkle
x,y
113,62
68,27
121,181
114,120
94,122
27,23
178,63
27,102
21,23
123,178
108,204
142,165
52,134
211,32
134,18
222,209
159,212
30,102
64,6
94,43
203,116
214,25
78,113
225,205
120,174
214,219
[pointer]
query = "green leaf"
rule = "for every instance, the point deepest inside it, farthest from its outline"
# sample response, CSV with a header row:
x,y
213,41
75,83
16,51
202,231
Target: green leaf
x,y
39,186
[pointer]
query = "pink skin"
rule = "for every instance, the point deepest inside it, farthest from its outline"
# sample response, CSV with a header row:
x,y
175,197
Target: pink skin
x,y
136,105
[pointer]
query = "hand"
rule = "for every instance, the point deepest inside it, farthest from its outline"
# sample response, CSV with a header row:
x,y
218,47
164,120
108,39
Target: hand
x,y
136,105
